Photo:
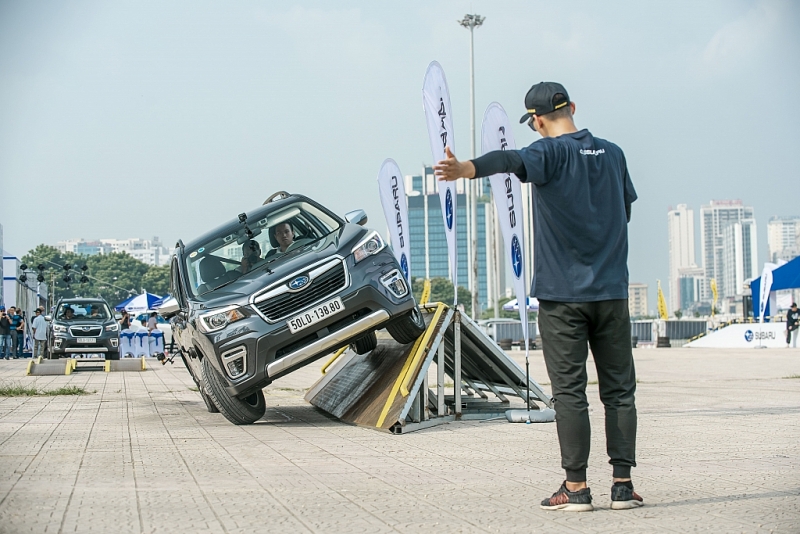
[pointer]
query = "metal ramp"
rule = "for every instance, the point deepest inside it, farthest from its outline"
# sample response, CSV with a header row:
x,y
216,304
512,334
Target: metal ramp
x,y
389,388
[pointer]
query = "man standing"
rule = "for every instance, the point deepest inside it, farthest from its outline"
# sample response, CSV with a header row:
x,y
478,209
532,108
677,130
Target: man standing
x,y
39,326
17,332
792,323
582,195
5,333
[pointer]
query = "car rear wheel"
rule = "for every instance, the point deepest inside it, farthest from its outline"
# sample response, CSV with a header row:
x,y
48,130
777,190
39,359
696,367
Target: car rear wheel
x,y
365,344
238,411
407,328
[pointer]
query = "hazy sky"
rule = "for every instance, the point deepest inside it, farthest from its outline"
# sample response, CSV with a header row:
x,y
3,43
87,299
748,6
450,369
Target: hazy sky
x,y
134,119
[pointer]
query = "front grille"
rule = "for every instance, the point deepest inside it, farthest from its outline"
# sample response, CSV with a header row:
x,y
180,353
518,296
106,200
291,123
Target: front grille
x,y
286,304
80,331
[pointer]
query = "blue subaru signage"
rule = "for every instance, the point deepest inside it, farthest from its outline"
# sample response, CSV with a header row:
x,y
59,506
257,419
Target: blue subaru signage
x,y
299,282
448,209
516,256
748,336
404,265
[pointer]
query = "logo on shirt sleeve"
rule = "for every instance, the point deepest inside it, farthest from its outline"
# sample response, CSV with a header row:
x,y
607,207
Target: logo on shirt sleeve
x,y
585,152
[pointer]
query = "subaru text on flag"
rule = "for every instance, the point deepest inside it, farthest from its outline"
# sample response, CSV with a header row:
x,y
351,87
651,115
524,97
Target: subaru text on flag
x,y
277,288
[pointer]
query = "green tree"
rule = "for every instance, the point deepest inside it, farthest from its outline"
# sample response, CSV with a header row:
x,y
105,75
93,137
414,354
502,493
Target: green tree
x,y
442,291
678,314
156,280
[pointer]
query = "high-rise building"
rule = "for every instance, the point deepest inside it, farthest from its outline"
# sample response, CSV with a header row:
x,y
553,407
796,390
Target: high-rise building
x,y
783,238
715,217
681,249
421,197
739,256
690,281
637,299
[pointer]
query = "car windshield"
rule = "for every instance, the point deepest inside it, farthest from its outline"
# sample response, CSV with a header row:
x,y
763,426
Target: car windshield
x,y
83,310
228,256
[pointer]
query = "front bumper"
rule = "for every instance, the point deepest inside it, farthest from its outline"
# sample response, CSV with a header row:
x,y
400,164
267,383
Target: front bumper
x,y
272,351
70,345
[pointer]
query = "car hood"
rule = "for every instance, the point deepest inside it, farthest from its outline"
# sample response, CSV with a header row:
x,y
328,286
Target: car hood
x,y
340,242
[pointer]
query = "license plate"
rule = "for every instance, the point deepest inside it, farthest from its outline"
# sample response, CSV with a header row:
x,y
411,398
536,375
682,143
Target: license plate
x,y
87,340
315,315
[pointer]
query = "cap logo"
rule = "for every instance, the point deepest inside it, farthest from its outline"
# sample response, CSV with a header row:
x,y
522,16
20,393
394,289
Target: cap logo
x,y
531,111
561,105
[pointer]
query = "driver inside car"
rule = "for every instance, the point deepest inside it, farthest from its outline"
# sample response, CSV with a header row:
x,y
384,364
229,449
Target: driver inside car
x,y
281,237
69,313
251,254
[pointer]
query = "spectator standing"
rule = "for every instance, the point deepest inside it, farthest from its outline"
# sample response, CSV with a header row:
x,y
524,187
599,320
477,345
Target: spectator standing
x,y
582,195
5,333
39,326
792,323
17,332
125,322
152,323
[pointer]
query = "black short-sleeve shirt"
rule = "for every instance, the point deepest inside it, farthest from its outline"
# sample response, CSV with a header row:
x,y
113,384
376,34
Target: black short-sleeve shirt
x,y
581,194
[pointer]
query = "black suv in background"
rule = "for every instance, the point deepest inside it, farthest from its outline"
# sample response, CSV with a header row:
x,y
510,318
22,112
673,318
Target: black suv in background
x,y
83,326
276,289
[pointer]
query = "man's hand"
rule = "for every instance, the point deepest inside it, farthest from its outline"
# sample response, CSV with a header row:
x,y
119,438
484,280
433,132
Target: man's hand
x,y
451,169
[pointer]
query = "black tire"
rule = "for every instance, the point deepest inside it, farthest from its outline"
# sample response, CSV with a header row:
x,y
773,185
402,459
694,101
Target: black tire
x,y
407,328
365,343
210,406
112,355
238,411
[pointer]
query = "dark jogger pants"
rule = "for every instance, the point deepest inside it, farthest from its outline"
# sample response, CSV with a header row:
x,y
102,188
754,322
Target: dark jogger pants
x,y
567,329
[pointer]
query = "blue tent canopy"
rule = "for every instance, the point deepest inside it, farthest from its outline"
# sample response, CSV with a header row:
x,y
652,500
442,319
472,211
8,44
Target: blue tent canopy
x,y
786,276
138,303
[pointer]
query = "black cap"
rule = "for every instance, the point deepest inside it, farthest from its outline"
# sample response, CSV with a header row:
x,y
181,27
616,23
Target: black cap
x,y
544,98
794,305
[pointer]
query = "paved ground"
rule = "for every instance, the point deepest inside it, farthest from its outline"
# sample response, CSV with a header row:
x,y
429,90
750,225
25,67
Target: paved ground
x,y
719,450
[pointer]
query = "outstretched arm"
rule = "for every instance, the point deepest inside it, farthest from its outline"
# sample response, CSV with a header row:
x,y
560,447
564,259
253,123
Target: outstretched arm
x,y
497,161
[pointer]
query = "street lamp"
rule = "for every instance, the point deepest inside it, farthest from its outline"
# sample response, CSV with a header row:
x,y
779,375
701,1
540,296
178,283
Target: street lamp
x,y
471,22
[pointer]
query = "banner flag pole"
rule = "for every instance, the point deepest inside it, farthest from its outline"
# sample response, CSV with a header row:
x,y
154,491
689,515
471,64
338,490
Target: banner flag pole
x,y
395,209
496,134
436,102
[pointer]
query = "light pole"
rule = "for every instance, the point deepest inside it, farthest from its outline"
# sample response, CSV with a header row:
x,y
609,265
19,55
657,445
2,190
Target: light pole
x,y
471,22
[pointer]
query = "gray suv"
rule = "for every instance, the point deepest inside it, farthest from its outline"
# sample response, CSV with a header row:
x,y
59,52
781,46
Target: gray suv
x,y
277,288
83,326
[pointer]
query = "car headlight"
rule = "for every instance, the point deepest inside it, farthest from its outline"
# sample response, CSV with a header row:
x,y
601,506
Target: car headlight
x,y
113,327
370,245
219,319
59,329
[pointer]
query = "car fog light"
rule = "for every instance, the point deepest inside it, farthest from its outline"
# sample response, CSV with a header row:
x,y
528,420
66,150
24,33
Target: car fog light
x,y
57,343
395,283
235,361
115,342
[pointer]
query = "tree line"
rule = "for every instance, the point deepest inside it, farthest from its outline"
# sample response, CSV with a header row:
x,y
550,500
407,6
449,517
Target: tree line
x,y
113,277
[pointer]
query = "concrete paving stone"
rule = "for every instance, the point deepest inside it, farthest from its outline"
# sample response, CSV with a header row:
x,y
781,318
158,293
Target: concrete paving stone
x,y
710,458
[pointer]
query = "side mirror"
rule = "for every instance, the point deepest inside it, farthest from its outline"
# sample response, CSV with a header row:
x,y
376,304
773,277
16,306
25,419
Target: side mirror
x,y
117,316
48,318
169,308
358,217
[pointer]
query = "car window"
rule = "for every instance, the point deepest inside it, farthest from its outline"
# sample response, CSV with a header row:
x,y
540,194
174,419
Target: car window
x,y
83,310
227,257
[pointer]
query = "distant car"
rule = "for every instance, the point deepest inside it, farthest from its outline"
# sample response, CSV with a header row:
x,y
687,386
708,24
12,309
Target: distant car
x,y
83,326
310,283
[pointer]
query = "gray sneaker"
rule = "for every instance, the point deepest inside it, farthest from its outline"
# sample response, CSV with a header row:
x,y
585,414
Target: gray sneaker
x,y
569,501
624,498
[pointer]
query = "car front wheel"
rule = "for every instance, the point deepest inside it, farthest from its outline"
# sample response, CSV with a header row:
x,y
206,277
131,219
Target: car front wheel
x,y
365,343
238,411
407,328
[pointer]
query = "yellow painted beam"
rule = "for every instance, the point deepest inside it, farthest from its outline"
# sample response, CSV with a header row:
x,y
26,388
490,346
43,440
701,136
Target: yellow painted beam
x,y
335,357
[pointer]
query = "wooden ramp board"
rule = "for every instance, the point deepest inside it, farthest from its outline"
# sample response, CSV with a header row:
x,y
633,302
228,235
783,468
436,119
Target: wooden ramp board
x,y
39,367
387,389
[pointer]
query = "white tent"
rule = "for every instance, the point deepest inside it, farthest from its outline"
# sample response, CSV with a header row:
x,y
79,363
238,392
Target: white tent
x,y
513,305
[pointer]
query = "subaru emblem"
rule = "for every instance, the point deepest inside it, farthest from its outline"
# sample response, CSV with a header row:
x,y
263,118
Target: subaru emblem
x,y
404,265
748,336
298,283
516,256
448,209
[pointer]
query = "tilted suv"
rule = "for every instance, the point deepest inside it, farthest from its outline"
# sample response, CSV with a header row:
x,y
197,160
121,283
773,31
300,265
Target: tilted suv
x,y
276,289
83,326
